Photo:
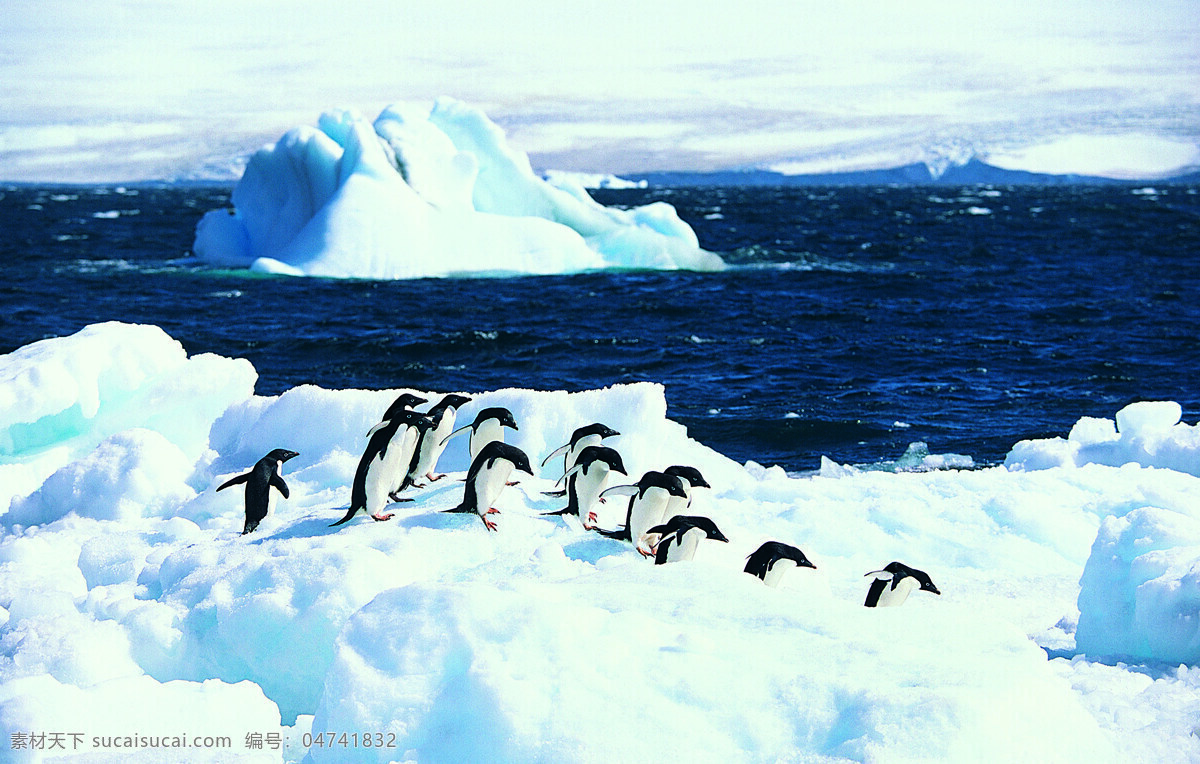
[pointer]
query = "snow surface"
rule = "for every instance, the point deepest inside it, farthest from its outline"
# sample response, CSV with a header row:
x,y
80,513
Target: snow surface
x,y
1067,628
437,194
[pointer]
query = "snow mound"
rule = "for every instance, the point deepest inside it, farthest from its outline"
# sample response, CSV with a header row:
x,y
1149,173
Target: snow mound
x,y
1147,433
129,601
417,195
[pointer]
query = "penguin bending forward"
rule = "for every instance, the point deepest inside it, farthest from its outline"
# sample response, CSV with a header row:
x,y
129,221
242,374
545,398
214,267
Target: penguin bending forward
x,y
384,463
432,442
893,584
487,478
586,479
582,438
265,473
488,426
677,539
648,500
771,560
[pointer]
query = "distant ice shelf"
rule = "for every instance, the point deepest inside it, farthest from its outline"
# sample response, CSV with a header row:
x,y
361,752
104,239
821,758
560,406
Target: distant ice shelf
x,y
418,194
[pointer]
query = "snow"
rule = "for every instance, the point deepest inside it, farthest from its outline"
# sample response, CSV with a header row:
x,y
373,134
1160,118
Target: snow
x,y
418,195
131,605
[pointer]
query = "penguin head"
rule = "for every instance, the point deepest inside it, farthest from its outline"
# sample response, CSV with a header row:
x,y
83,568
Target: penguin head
x,y
404,401
604,455
282,455
690,474
603,430
415,419
453,401
900,570
499,413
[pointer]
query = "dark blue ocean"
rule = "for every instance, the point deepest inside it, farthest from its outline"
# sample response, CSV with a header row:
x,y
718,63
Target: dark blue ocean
x,y
856,320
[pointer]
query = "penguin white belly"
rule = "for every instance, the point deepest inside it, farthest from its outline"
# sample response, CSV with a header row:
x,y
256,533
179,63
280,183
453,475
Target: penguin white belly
x,y
382,473
489,483
891,597
648,510
684,548
775,574
484,434
407,447
588,485
432,445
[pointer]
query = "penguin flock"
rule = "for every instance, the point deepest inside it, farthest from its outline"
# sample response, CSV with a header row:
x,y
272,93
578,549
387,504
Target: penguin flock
x,y
404,447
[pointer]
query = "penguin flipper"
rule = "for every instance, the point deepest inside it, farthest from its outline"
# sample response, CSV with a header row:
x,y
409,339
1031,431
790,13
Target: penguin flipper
x,y
234,481
556,452
277,481
563,511
621,535
555,494
462,429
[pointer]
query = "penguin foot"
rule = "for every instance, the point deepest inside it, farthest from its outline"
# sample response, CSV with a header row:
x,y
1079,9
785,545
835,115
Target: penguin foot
x,y
491,526
433,478
512,482
381,518
492,511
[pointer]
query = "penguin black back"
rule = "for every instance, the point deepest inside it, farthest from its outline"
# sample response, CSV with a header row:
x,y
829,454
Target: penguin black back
x,y
259,480
889,579
764,558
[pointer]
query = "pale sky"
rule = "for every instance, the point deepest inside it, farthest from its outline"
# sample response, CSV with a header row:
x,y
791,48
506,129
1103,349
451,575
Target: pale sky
x,y
140,89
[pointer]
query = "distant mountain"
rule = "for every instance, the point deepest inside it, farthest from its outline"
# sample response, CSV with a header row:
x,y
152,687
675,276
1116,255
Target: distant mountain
x,y
919,174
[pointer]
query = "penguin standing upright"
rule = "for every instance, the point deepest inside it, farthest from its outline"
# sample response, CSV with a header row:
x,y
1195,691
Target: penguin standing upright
x,y
266,472
383,464
586,479
589,435
677,539
487,478
648,500
771,560
488,426
894,583
432,444
403,402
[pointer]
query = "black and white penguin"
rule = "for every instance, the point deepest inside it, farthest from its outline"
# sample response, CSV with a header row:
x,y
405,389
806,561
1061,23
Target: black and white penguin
x,y
384,464
432,442
771,560
677,539
488,426
589,435
648,500
487,478
586,480
403,402
267,472
692,479
894,583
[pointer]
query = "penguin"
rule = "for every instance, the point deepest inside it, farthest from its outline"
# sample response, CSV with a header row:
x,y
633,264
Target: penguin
x,y
586,479
488,426
903,581
266,472
589,435
771,560
677,539
384,463
691,478
403,402
487,477
432,444
648,501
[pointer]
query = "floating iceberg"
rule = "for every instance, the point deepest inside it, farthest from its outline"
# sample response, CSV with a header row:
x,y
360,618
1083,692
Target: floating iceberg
x,y
130,603
415,195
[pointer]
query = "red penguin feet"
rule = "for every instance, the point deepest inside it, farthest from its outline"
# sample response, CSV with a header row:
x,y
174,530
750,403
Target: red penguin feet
x,y
492,511
381,518
491,526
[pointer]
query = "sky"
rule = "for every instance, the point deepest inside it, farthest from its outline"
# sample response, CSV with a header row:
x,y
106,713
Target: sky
x,y
118,90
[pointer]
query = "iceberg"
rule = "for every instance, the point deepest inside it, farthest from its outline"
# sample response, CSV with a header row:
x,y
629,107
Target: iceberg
x,y
435,194
131,605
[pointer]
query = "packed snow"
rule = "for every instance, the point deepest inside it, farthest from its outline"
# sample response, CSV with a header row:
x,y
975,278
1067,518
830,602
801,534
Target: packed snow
x,y
135,617
418,194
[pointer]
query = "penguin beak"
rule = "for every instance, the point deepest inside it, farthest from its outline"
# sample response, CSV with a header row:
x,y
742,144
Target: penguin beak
x,y
806,564
931,588
290,455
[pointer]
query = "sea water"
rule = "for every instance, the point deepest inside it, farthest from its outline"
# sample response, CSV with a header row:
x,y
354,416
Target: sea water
x,y
855,321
